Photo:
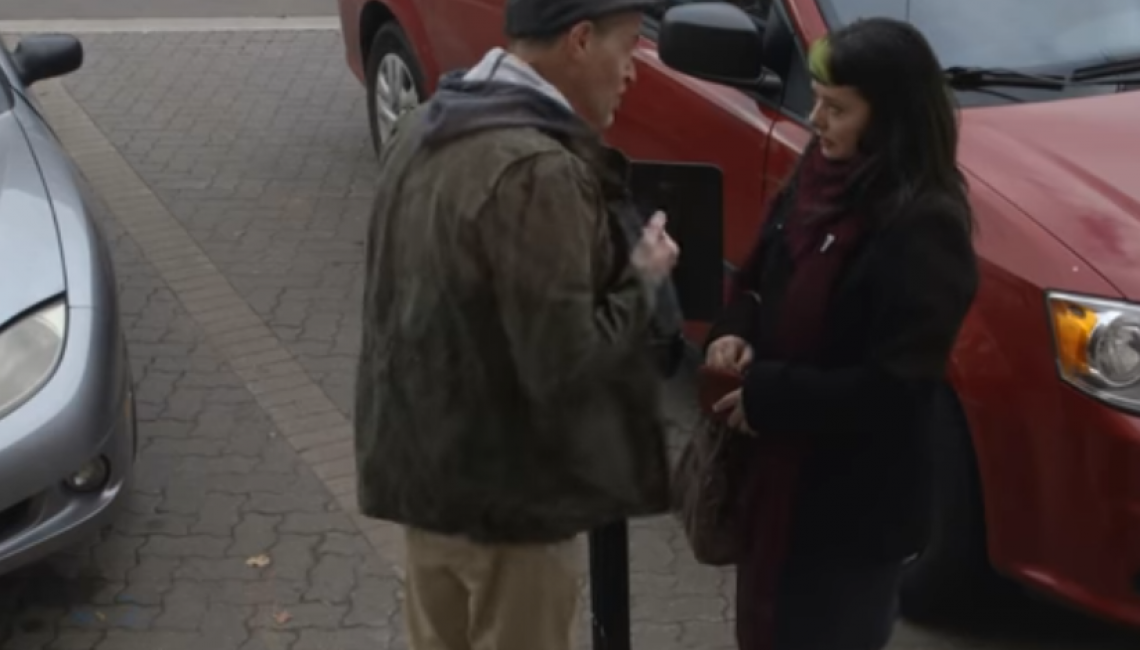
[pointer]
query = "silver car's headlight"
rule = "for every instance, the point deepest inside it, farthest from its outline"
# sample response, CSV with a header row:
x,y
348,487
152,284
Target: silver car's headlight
x,y
30,348
1098,346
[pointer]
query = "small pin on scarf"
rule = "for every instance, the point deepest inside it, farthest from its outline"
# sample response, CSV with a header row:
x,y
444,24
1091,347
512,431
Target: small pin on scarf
x,y
827,242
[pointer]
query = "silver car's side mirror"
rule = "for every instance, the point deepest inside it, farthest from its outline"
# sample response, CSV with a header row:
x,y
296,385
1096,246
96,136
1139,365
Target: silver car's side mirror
x,y
46,56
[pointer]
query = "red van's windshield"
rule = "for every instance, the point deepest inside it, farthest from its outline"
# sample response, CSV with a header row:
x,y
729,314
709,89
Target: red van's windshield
x,y
1034,34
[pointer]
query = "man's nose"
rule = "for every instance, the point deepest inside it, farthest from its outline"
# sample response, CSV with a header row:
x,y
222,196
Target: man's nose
x,y
815,118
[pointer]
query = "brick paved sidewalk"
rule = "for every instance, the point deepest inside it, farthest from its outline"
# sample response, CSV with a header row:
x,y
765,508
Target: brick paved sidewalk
x,y
238,201
215,487
238,176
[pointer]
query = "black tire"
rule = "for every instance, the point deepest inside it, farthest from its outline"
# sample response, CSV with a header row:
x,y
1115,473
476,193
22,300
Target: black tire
x,y
390,39
952,580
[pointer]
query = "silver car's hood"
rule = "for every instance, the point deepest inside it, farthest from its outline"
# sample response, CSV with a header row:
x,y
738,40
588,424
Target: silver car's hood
x,y
31,266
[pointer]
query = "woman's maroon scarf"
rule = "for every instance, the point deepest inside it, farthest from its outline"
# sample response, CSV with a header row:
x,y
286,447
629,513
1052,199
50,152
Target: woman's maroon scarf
x,y
820,237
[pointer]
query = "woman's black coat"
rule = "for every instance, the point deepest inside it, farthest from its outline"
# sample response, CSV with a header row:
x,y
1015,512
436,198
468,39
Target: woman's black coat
x,y
867,408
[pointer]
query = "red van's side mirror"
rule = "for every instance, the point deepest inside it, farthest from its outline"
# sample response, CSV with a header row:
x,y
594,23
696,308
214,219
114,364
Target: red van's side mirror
x,y
714,41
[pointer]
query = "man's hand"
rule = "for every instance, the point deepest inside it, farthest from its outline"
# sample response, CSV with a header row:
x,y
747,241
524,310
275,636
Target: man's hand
x,y
732,405
656,254
729,353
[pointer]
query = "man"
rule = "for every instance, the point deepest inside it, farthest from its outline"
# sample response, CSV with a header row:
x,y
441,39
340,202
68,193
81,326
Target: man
x,y
506,399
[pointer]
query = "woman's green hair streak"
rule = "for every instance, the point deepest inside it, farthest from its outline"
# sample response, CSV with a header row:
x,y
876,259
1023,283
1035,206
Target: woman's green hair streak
x,y
911,142
819,61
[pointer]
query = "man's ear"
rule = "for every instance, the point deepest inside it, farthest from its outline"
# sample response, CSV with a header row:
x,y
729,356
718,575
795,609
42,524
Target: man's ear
x,y
580,38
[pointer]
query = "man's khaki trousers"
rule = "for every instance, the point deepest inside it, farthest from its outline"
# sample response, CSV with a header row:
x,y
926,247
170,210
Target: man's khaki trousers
x,y
467,596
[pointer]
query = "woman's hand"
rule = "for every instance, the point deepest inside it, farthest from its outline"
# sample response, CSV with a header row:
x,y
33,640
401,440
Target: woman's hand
x,y
729,353
733,405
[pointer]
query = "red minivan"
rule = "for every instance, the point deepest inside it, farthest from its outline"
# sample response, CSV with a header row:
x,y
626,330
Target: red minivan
x,y
1040,477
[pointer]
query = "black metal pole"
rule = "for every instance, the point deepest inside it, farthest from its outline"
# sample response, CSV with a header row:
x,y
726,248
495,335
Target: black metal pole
x,y
609,586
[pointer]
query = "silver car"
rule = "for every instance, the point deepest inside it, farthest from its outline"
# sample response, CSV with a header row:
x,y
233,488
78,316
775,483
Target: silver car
x,y
67,416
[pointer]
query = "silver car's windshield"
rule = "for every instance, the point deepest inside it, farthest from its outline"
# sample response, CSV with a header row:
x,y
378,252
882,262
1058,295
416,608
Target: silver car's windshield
x,y
1057,34
5,94
5,80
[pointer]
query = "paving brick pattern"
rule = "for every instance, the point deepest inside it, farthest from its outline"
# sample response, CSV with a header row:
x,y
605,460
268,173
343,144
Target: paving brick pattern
x,y
216,486
240,276
254,143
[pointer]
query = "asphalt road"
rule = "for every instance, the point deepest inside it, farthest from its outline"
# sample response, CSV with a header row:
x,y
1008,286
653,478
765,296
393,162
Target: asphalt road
x,y
113,9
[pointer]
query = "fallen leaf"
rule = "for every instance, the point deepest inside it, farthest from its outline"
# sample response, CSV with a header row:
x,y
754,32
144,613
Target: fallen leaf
x,y
259,561
101,616
282,617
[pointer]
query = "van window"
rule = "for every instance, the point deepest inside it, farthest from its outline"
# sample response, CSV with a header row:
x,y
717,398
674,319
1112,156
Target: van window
x,y
784,56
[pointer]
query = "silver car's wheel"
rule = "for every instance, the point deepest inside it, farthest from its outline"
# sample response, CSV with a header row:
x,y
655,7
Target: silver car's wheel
x,y
395,81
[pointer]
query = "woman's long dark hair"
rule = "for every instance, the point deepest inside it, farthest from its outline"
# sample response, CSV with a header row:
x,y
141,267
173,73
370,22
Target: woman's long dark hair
x,y
911,143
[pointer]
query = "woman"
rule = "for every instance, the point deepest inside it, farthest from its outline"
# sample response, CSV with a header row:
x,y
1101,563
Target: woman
x,y
843,321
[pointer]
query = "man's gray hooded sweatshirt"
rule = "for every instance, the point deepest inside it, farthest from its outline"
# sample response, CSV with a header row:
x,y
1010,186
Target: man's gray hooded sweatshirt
x,y
504,92
506,392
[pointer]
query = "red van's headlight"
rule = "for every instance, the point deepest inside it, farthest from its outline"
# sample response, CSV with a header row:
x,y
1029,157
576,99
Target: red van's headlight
x,y
1098,346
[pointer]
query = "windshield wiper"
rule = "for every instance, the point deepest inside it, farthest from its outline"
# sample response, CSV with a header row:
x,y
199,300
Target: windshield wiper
x,y
964,78
1107,69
